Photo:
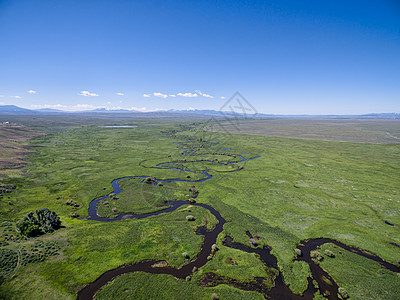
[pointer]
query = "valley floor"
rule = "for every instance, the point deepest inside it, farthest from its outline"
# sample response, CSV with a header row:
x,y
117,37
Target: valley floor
x,y
283,191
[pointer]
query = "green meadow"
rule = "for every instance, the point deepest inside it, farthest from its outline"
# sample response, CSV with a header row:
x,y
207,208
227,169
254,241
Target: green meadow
x,y
296,190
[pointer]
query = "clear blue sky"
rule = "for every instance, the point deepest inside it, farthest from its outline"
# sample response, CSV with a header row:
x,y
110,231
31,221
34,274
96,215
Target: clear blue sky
x,y
285,57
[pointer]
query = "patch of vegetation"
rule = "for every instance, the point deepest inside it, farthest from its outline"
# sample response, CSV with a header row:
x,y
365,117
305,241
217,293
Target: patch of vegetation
x,y
8,262
296,274
39,251
139,198
146,286
5,189
238,265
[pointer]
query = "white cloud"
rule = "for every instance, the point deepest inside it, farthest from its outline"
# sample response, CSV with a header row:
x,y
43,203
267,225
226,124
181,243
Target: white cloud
x,y
222,97
87,93
189,95
16,97
204,94
120,94
161,95
108,102
31,92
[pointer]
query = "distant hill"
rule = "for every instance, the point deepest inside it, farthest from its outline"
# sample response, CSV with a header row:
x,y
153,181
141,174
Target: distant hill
x,y
13,109
105,110
383,115
49,110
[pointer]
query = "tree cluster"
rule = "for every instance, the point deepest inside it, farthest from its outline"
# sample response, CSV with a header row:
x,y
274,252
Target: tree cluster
x,y
39,222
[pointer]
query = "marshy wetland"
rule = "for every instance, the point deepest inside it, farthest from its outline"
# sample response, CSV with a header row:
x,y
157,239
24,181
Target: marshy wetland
x,y
200,214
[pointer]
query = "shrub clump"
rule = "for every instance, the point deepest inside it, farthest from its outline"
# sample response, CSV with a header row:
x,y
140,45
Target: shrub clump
x,y
150,180
316,255
185,255
190,218
74,215
343,293
39,222
6,188
297,251
72,203
329,253
253,242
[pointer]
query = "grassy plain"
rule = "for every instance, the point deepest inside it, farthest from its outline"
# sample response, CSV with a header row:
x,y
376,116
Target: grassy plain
x,y
377,131
297,189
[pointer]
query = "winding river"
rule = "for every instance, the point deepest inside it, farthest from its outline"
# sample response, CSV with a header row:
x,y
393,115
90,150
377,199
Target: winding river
x,y
279,291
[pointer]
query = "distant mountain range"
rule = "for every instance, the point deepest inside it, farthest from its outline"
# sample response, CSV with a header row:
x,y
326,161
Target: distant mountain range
x,y
15,110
